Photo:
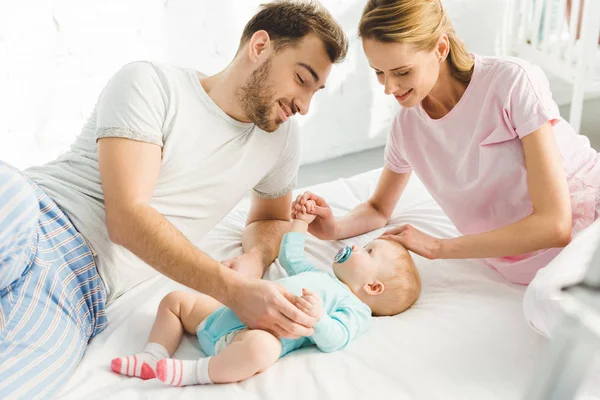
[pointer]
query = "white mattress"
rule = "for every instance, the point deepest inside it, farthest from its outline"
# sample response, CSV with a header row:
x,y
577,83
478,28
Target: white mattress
x,y
465,338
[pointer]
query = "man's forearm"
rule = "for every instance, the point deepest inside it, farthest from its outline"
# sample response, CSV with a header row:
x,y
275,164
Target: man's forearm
x,y
364,218
151,237
264,238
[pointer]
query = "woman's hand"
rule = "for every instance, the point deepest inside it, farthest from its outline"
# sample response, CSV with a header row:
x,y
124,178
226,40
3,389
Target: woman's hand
x,y
415,240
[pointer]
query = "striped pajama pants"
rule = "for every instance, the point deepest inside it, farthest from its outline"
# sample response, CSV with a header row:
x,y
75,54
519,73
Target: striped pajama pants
x,y
51,296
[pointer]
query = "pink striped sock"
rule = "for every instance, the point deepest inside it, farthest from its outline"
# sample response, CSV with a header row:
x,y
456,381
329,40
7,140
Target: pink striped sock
x,y
141,365
183,372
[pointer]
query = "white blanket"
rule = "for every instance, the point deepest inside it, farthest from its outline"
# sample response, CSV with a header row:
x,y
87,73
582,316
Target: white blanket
x,y
465,338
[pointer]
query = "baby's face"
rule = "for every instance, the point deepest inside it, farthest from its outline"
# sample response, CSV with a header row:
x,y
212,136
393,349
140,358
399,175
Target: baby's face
x,y
367,264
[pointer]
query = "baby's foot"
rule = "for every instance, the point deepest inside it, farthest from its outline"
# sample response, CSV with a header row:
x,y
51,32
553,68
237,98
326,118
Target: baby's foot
x,y
183,372
141,365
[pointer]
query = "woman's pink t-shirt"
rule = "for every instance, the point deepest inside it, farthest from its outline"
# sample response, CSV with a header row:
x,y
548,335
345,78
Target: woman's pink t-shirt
x,y
472,159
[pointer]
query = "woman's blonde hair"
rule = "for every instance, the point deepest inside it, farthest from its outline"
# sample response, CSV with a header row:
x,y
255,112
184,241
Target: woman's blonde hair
x,y
420,22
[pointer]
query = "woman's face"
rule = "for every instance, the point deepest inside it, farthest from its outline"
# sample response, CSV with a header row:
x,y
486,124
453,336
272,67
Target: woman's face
x,y
406,73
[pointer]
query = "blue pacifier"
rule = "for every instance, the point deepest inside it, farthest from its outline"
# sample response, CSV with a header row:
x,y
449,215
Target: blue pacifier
x,y
343,254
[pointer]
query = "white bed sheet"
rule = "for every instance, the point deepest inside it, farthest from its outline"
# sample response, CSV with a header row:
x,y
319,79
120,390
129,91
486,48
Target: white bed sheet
x,y
466,337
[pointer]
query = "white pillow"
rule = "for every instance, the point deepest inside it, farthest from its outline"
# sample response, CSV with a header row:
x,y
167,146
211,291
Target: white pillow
x,y
541,304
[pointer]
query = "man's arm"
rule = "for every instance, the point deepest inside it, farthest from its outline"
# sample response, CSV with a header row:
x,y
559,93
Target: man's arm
x,y
129,171
270,212
267,222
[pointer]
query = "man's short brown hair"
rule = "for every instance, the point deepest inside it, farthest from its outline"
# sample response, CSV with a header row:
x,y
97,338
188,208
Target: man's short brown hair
x,y
289,21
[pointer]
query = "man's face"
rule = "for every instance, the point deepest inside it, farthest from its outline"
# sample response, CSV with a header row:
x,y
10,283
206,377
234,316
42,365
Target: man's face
x,y
285,83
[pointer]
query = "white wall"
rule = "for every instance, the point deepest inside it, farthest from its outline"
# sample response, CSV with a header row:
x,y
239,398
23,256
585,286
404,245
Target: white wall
x,y
56,56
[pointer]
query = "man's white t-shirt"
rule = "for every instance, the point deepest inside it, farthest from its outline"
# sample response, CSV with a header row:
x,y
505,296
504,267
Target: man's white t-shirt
x,y
209,162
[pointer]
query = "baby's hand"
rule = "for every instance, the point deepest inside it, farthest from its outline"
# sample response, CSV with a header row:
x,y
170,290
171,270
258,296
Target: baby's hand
x,y
306,214
297,205
310,303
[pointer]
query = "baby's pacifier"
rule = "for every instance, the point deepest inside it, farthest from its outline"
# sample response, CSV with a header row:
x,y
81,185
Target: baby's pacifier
x,y
343,254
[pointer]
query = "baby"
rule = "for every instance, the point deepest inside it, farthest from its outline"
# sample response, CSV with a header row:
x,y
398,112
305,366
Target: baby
x,y
379,279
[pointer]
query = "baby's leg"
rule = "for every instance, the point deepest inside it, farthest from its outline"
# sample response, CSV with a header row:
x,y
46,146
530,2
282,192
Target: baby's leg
x,y
178,311
251,352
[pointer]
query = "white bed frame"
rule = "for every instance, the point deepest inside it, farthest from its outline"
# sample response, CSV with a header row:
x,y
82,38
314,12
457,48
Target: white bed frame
x,y
553,45
571,351
539,35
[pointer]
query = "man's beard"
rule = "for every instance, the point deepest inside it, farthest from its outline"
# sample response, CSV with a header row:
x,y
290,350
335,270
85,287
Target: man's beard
x,y
257,99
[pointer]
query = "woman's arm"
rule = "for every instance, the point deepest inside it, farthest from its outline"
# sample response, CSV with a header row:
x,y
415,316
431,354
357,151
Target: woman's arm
x,y
376,212
373,214
548,226
550,223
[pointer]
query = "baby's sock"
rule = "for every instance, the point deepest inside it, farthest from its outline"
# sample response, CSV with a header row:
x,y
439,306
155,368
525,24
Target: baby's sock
x,y
142,365
183,372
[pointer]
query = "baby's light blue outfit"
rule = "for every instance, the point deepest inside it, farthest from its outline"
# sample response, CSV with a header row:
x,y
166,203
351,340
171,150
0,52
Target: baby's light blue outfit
x,y
344,316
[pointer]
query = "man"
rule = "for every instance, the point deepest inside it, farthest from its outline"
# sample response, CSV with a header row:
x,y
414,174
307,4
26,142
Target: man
x,y
165,155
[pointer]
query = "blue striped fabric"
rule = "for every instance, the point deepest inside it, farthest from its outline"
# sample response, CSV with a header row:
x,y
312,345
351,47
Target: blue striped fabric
x,y
51,296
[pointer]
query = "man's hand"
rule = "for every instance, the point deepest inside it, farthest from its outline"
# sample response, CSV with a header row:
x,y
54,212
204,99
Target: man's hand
x,y
324,226
269,306
249,264
310,303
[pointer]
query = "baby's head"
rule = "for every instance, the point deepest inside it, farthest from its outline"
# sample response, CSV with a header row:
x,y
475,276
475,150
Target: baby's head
x,y
382,275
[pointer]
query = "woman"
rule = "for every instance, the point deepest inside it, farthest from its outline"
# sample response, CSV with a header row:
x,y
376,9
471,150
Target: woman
x,y
484,136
